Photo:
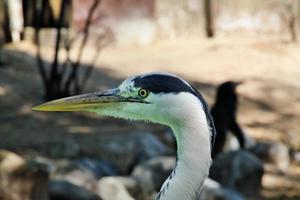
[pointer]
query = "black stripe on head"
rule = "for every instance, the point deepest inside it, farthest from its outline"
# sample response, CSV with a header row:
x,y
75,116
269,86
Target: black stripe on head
x,y
164,83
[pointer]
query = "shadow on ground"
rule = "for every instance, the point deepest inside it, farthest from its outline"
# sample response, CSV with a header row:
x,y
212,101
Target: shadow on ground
x,y
24,130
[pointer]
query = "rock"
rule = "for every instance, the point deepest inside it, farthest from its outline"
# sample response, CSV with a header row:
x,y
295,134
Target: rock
x,y
67,148
119,149
277,153
99,168
21,179
137,188
148,146
74,174
10,162
110,188
238,170
127,151
131,184
155,170
212,190
83,172
3,59
168,138
297,157
64,190
231,143
39,175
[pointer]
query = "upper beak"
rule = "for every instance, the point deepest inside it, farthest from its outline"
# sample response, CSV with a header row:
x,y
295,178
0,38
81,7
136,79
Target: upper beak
x,y
83,102
237,83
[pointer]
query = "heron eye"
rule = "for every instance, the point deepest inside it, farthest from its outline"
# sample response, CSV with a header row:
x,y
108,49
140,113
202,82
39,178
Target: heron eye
x,y
143,93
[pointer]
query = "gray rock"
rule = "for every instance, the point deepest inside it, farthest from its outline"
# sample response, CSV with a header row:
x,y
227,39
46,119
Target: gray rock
x,y
75,174
297,157
131,184
276,153
137,187
3,57
83,172
10,162
168,138
64,190
22,179
148,146
155,170
120,150
99,168
238,170
127,151
67,148
232,143
111,188
212,190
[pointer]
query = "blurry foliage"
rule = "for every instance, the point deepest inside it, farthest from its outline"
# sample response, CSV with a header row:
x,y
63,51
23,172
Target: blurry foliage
x,y
63,79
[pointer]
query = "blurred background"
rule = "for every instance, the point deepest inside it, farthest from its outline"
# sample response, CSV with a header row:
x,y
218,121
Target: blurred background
x,y
55,48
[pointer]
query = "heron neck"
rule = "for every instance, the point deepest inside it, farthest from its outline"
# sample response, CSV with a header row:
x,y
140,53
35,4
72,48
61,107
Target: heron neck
x,y
193,155
193,159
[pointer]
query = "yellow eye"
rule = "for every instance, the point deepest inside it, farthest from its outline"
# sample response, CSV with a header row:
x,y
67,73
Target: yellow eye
x,y
143,93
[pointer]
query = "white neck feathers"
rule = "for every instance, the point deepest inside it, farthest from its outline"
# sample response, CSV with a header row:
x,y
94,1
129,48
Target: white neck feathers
x,y
194,155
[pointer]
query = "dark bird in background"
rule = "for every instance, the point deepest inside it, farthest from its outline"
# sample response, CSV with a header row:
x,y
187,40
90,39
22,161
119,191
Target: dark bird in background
x,y
224,114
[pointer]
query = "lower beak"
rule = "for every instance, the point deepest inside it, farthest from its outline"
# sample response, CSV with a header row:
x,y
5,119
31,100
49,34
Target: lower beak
x,y
83,102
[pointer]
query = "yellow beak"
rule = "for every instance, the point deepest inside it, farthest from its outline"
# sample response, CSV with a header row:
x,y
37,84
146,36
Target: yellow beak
x,y
83,102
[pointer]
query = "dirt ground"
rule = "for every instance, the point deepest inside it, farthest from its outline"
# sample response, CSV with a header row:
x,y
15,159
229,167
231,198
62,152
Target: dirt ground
x,y
269,96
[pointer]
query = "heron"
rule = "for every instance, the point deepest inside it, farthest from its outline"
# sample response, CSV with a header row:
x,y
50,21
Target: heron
x,y
165,99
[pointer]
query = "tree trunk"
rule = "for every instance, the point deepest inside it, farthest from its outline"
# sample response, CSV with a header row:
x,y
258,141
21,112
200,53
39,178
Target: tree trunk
x,y
208,16
292,28
298,16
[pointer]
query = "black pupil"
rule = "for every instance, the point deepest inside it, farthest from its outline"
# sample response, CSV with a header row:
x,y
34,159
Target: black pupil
x,y
143,93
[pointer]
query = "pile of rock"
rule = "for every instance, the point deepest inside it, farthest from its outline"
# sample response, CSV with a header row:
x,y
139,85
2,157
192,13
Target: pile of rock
x,y
238,170
273,152
232,173
21,179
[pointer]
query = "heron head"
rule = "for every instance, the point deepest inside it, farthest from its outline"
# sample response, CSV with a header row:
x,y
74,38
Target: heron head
x,y
156,97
